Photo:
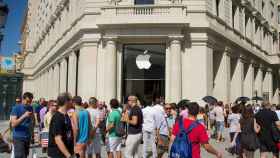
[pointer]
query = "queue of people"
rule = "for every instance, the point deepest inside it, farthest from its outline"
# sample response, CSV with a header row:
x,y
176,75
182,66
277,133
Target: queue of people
x,y
70,128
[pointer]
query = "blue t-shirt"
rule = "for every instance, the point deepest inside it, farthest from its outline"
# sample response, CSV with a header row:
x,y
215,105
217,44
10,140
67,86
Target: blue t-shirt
x,y
23,130
83,118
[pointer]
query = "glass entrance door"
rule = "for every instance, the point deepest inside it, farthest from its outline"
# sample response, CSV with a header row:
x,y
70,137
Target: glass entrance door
x,y
144,71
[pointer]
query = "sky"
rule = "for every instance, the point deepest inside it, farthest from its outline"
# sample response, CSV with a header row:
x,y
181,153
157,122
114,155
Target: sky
x,y
13,26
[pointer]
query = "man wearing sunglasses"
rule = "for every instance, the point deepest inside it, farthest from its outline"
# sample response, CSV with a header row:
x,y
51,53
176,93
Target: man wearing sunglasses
x,y
22,123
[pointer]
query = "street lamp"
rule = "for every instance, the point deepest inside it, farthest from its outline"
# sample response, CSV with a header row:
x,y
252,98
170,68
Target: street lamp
x,y
4,10
4,99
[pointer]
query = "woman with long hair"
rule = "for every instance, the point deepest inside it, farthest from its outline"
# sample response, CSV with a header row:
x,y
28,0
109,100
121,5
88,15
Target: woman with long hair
x,y
249,130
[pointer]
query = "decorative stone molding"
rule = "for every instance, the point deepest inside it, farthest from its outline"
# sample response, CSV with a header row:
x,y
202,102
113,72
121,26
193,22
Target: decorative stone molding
x,y
175,39
269,70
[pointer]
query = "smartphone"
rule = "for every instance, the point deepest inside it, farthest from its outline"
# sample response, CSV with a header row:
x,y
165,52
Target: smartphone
x,y
28,108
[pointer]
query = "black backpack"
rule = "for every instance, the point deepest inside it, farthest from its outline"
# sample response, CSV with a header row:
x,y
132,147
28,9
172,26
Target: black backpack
x,y
120,128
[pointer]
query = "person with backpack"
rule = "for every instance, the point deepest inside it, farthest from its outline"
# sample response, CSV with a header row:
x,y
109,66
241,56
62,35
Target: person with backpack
x,y
114,140
188,135
83,123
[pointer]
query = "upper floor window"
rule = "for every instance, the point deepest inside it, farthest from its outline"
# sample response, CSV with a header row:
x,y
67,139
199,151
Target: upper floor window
x,y
218,7
141,2
278,11
263,4
272,10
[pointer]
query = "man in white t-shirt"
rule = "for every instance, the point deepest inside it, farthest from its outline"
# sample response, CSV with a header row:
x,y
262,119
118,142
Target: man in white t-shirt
x,y
219,118
149,132
95,146
161,128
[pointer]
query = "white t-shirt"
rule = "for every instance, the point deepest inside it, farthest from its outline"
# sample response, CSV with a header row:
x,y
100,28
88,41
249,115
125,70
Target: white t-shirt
x,y
234,125
94,115
219,113
148,119
161,122
278,114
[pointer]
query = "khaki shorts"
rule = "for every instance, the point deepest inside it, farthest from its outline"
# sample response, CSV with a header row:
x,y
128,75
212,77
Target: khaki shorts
x,y
80,149
161,149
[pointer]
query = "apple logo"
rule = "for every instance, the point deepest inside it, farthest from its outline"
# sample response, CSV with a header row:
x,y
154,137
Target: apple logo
x,y
143,60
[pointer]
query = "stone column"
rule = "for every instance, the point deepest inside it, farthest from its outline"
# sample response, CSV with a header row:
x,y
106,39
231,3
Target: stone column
x,y
197,71
72,73
52,83
48,78
259,81
101,71
56,81
276,81
110,70
270,84
63,76
174,68
46,83
87,70
237,80
221,88
249,81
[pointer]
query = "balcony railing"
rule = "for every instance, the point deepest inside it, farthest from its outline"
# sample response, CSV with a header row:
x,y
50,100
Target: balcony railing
x,y
143,14
135,10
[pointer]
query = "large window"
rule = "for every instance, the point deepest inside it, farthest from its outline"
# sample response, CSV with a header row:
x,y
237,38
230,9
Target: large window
x,y
144,71
139,2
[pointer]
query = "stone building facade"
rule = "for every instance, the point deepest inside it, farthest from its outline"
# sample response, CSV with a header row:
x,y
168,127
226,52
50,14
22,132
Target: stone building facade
x,y
224,48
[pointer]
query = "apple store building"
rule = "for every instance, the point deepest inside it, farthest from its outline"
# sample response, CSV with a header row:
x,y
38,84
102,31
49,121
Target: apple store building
x,y
173,49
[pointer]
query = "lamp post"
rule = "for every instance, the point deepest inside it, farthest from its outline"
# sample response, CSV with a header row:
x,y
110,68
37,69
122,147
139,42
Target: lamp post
x,y
4,104
4,10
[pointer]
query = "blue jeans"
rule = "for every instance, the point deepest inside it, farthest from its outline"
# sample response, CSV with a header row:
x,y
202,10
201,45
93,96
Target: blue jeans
x,y
220,126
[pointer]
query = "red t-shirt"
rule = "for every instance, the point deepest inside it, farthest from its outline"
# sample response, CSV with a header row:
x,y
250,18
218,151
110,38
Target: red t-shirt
x,y
197,136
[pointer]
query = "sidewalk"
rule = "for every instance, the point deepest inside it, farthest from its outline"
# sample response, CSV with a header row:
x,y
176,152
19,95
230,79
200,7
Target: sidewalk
x,y
4,124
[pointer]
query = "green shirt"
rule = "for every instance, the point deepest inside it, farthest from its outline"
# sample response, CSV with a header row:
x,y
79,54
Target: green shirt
x,y
113,118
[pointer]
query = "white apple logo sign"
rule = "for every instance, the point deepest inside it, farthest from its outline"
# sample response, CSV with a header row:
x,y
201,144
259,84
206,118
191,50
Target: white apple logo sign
x,y
143,61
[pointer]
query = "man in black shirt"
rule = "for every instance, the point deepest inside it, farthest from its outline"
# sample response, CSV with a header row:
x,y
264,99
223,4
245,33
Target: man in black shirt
x,y
61,142
134,119
266,118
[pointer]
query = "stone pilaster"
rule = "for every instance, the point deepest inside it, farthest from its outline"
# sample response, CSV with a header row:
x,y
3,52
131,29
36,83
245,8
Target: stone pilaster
x,y
174,68
110,69
197,70
249,81
88,70
72,73
221,89
259,81
237,80
63,76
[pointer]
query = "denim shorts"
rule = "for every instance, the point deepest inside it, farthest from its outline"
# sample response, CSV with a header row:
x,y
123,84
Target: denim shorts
x,y
220,126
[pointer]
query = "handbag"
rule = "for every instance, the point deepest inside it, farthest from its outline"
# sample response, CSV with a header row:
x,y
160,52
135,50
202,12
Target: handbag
x,y
275,133
248,138
250,141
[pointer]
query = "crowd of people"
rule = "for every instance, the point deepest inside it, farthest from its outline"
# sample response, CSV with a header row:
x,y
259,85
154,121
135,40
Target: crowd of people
x,y
252,127
70,127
